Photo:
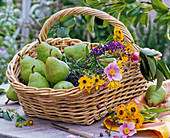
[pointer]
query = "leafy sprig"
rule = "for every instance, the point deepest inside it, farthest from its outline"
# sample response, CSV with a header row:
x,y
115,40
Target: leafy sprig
x,y
153,69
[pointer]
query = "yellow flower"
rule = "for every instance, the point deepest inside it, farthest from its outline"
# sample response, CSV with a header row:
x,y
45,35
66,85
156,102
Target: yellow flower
x,y
138,120
121,71
118,35
30,122
119,63
113,84
129,48
121,111
132,108
84,82
97,81
124,57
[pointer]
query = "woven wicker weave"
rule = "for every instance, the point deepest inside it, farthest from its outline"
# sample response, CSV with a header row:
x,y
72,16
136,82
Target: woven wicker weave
x,y
73,105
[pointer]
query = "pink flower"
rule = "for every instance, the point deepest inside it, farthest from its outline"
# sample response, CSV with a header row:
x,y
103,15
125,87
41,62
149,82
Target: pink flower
x,y
113,72
115,137
135,57
127,129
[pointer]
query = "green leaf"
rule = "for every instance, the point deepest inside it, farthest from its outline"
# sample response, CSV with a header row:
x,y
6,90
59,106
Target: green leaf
x,y
2,91
147,109
62,32
65,19
134,11
148,52
152,66
6,116
164,69
90,23
145,114
144,19
144,73
105,23
158,110
87,50
18,119
92,1
159,6
158,18
70,23
80,1
130,1
99,5
23,119
136,19
44,19
160,78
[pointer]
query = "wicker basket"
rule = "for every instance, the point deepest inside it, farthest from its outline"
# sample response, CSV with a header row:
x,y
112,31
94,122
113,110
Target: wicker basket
x,y
73,105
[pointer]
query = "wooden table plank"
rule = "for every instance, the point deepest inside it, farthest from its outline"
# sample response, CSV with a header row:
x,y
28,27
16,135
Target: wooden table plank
x,y
43,128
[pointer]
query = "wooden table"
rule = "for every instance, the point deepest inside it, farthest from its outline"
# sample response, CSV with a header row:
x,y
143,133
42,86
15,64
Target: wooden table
x,y
44,129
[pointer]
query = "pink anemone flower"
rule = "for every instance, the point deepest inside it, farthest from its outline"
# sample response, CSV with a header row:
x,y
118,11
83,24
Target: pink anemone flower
x,y
113,72
127,129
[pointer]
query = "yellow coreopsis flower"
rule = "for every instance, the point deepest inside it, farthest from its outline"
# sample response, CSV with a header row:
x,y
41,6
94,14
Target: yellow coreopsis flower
x,y
97,81
132,108
121,111
138,120
85,82
129,48
124,57
114,84
120,63
118,35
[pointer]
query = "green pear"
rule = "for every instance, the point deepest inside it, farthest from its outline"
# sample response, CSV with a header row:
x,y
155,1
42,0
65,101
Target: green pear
x,y
43,51
26,64
105,61
76,51
11,95
153,97
63,85
56,70
37,80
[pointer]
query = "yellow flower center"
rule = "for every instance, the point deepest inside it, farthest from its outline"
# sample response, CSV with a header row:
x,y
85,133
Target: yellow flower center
x,y
30,122
126,130
112,72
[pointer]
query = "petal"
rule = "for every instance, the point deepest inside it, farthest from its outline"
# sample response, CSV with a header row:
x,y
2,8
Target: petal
x,y
109,77
131,125
125,124
106,70
112,65
117,77
117,69
132,132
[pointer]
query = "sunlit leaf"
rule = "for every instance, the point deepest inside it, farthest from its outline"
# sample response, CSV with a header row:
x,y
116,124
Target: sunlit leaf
x,y
144,19
6,116
164,69
148,52
159,6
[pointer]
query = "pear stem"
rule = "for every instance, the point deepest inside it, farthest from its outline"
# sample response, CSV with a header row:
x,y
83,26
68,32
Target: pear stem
x,y
20,55
50,51
39,40
33,68
7,101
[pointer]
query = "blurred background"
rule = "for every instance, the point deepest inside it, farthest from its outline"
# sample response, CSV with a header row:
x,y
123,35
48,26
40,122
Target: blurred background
x,y
22,20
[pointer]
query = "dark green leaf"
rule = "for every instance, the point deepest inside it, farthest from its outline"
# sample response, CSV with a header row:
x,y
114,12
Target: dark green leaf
x,y
2,90
23,119
158,18
6,116
62,32
136,19
70,23
148,52
159,6
134,11
90,23
144,19
152,66
164,69
160,78
145,114
44,19
18,119
130,1
145,74
99,5
147,109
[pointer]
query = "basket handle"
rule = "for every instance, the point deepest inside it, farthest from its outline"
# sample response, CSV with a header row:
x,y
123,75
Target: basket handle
x,y
86,11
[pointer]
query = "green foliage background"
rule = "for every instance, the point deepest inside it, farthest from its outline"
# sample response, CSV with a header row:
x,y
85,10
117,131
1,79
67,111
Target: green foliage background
x,y
133,13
